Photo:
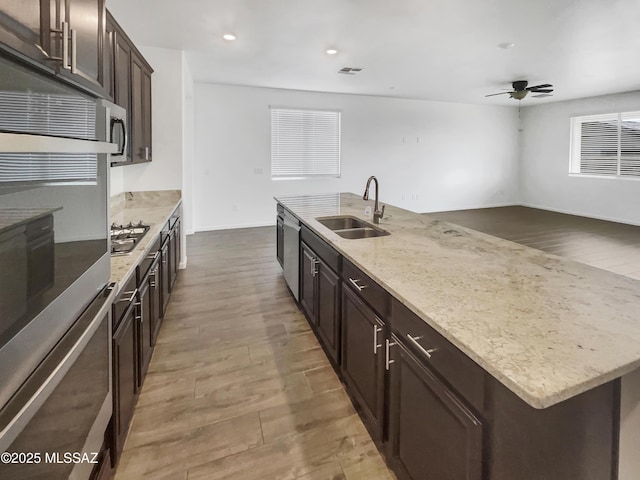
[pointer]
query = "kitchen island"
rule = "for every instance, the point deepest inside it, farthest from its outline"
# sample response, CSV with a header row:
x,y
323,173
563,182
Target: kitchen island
x,y
552,337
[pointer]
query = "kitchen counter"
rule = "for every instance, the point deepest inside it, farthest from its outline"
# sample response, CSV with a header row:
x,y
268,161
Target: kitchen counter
x,y
154,209
14,217
546,327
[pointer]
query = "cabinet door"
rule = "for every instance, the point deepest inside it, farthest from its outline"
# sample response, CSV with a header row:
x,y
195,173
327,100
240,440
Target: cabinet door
x,y
432,434
20,28
109,57
156,302
174,254
86,22
363,359
122,79
125,378
308,286
164,275
137,126
328,309
146,114
145,345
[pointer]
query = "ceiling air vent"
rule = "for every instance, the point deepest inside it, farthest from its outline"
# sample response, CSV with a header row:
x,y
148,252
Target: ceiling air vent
x,y
349,70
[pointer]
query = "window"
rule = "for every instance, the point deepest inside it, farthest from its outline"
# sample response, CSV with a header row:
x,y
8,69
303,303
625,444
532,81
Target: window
x,y
304,143
606,145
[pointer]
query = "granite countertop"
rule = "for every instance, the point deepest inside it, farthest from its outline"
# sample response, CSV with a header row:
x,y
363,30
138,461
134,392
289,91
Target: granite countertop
x,y
154,209
546,327
14,217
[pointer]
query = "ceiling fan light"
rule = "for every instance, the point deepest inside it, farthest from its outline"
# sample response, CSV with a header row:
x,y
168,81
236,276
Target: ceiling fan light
x,y
519,94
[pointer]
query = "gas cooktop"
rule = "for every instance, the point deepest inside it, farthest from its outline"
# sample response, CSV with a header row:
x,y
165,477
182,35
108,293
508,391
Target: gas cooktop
x,y
124,238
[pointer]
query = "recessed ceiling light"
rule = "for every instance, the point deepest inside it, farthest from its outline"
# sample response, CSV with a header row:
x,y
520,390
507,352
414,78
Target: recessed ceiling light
x,y
332,51
229,36
506,45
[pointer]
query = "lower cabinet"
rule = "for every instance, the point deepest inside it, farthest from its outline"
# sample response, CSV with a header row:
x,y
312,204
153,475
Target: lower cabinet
x,y
125,378
165,276
155,299
320,300
432,434
363,360
145,328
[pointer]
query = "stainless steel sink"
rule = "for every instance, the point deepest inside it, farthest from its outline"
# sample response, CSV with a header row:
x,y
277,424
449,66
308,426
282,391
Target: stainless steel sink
x,y
351,227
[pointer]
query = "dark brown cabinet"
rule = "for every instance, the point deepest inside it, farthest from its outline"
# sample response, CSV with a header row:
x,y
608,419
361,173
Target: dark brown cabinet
x,y
320,300
432,433
21,29
145,325
174,251
66,36
165,280
125,378
132,90
363,362
155,299
140,110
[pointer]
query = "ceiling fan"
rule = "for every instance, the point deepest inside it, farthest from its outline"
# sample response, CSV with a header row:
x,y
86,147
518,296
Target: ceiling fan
x,y
520,90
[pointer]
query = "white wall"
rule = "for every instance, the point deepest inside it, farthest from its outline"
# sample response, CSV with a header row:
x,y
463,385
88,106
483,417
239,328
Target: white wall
x,y
428,156
188,145
544,162
165,171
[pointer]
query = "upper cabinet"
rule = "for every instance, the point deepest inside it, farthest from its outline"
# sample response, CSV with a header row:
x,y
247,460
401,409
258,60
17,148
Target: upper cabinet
x,y
63,36
132,91
80,42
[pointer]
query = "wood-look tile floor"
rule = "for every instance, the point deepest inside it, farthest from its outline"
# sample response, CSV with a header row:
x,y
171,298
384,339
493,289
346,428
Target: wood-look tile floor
x,y
607,245
238,387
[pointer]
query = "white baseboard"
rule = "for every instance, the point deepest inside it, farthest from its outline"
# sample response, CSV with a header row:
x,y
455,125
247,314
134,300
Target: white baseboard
x,y
232,227
581,214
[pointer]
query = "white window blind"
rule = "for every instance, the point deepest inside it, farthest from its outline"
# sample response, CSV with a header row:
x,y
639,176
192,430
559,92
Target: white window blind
x,y
606,145
48,169
304,143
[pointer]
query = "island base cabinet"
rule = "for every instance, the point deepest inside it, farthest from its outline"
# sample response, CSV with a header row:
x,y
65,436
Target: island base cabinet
x,y
432,434
328,310
362,363
573,440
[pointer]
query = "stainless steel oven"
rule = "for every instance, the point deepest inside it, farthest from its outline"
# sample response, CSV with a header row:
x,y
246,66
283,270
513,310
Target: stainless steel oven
x,y
55,153
53,427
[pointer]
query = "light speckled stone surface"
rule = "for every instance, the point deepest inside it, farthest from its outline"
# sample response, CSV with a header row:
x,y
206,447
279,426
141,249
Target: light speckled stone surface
x,y
154,209
546,327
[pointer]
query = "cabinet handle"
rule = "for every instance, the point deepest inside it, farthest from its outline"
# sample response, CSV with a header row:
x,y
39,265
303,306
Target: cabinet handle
x,y
376,330
146,153
130,299
74,56
388,361
314,264
153,256
355,284
65,45
414,340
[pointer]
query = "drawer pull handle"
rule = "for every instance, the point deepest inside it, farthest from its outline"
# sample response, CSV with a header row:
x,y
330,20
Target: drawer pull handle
x,y
314,267
376,346
130,299
414,340
388,360
356,284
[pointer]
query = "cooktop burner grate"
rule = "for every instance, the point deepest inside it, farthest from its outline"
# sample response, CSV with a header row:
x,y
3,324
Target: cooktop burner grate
x,y
124,238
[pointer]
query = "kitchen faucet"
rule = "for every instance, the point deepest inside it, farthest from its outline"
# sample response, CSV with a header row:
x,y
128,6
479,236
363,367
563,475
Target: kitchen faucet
x,y
377,214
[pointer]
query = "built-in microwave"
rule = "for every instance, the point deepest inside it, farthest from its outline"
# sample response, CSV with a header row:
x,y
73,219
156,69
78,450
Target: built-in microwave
x,y
56,147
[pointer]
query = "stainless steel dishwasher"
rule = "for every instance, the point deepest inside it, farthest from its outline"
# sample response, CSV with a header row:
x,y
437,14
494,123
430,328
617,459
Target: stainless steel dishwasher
x,y
291,262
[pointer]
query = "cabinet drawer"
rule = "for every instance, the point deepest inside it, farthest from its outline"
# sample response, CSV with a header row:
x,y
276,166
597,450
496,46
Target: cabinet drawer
x,y
450,364
125,298
143,268
372,293
322,249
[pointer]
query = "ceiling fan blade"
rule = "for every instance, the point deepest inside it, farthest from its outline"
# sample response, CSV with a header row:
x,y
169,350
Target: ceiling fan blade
x,y
494,94
542,95
544,85
543,90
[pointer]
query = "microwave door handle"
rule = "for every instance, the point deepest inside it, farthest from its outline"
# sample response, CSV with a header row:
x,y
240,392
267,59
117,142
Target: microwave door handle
x,y
120,123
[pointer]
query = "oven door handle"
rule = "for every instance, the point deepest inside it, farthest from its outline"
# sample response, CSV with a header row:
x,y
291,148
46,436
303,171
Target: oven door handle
x,y
17,413
123,134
